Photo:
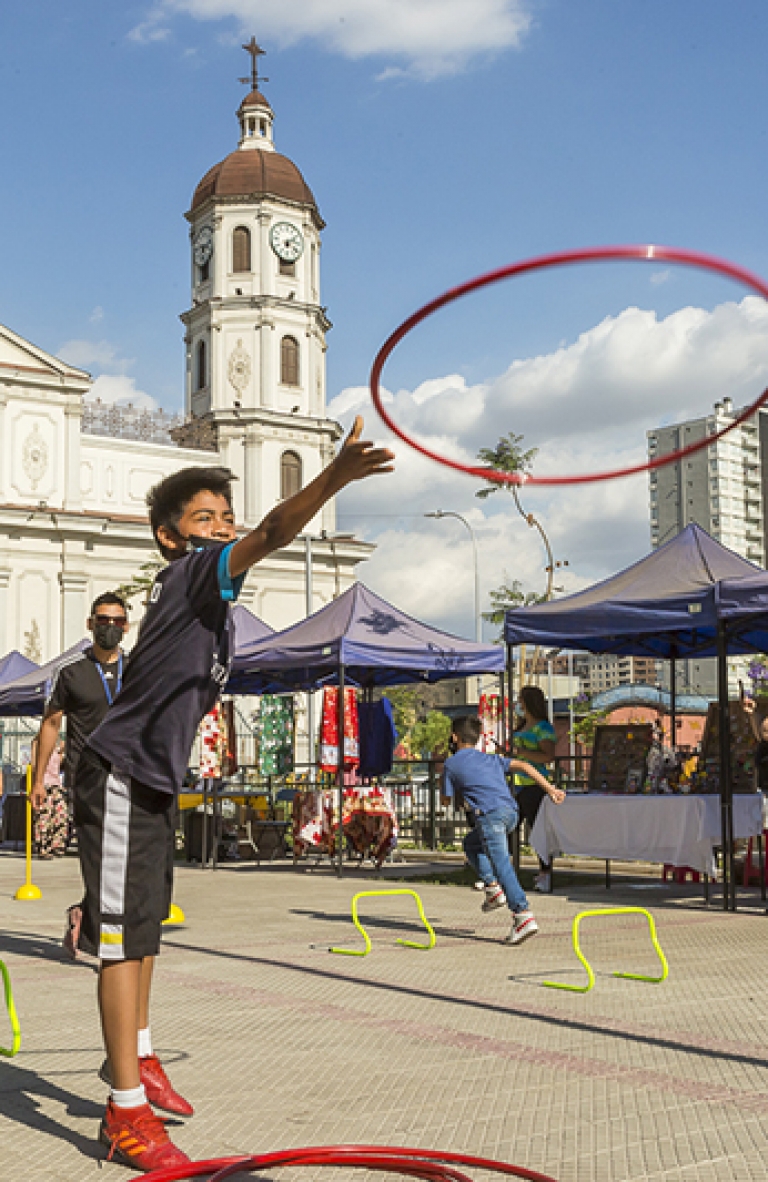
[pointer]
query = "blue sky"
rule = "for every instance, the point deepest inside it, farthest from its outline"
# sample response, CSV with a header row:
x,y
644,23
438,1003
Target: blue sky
x,y
441,138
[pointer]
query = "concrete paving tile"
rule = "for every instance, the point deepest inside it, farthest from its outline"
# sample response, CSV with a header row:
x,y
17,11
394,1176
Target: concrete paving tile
x,y
280,1043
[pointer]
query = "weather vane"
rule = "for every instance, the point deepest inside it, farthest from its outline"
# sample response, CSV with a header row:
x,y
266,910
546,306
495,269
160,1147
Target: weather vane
x,y
256,52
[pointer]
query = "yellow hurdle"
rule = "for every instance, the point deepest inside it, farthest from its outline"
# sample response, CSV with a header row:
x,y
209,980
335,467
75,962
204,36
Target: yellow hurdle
x,y
632,976
364,934
11,1008
29,890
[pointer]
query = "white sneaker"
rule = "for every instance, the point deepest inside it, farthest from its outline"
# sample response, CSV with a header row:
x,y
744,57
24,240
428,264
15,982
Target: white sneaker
x,y
479,885
543,882
494,898
524,925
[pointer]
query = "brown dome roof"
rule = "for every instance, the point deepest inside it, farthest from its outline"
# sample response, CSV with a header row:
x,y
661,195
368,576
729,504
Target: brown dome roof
x,y
254,172
255,99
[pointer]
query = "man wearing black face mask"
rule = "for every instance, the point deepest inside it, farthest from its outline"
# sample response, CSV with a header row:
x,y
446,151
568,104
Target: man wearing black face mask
x,y
82,691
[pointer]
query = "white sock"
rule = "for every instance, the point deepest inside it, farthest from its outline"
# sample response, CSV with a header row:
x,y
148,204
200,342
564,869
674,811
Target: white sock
x,y
145,1043
129,1097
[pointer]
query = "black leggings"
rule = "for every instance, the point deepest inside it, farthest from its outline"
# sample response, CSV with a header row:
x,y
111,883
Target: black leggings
x,y
528,801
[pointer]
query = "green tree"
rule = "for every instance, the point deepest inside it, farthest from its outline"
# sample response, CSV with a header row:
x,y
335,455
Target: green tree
x,y
141,583
510,594
405,709
430,735
509,456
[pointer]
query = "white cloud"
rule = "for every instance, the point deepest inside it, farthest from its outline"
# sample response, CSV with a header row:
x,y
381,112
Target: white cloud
x,y
92,354
97,315
431,36
587,407
112,383
120,389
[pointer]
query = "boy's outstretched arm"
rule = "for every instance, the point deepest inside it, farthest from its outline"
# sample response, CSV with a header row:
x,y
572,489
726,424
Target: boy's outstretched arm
x,y
520,765
356,460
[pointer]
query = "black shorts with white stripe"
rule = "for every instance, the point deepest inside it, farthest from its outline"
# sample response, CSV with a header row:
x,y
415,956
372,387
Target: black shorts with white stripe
x,y
125,839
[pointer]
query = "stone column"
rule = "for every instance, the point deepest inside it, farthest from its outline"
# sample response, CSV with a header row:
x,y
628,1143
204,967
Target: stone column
x,y
5,583
252,477
74,606
73,415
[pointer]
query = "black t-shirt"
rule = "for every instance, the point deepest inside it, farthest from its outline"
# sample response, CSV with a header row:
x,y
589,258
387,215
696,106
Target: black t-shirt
x,y
78,691
178,669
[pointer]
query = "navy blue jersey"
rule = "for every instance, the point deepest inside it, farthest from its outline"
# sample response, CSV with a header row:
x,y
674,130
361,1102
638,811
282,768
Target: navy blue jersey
x,y
178,669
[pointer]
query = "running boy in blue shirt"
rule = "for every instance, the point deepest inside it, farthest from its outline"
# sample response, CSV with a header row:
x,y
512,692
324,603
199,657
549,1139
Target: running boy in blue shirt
x,y
480,780
135,761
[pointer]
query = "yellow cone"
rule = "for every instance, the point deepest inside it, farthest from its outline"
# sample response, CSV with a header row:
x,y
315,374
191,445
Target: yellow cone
x,y
175,915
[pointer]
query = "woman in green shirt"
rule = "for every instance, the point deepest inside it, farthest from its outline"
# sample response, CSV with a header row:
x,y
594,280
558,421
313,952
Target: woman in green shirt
x,y
534,742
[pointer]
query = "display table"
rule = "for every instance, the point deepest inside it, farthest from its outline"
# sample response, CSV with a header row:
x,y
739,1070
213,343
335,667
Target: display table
x,y
677,830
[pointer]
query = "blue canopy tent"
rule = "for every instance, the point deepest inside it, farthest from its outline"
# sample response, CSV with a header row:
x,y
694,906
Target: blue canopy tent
x,y
13,665
682,600
249,629
364,639
25,693
361,639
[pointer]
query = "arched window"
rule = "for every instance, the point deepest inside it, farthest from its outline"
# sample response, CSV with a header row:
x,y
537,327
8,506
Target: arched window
x,y
241,249
290,474
289,361
201,369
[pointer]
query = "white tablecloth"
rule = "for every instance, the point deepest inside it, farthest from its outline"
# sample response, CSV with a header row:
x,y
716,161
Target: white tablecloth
x,y
680,830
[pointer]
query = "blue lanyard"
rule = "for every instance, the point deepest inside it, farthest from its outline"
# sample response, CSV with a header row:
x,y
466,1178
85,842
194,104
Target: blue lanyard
x,y
105,683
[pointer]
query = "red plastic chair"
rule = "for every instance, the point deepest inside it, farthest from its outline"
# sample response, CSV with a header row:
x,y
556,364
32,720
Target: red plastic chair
x,y
748,862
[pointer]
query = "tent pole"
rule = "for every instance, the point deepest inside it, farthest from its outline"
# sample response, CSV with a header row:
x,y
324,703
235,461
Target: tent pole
x,y
340,769
501,727
673,697
510,696
729,901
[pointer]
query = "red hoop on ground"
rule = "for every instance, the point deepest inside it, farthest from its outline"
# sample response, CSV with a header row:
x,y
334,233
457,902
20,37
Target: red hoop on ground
x,y
414,1163
649,253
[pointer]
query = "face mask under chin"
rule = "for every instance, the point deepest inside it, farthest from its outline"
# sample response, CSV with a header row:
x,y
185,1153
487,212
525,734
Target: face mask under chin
x,y
198,543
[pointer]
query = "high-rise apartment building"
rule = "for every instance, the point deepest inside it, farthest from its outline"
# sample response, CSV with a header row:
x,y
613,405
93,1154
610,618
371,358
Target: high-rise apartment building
x,y
720,487
723,489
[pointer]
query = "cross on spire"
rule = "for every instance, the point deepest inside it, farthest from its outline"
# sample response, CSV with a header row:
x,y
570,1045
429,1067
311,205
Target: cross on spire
x,y
255,52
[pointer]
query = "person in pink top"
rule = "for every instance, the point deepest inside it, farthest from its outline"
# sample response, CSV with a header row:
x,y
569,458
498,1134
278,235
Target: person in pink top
x,y
52,818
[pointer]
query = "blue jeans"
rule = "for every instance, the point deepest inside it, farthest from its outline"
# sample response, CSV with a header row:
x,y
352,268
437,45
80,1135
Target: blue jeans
x,y
487,850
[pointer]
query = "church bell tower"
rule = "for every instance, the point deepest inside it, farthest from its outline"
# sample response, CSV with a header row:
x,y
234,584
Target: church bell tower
x,y
255,330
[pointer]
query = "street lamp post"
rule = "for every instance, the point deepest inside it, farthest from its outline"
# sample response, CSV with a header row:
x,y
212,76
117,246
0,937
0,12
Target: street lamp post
x,y
439,514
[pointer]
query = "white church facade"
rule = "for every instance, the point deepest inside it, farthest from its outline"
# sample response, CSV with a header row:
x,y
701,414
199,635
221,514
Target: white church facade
x,y
73,520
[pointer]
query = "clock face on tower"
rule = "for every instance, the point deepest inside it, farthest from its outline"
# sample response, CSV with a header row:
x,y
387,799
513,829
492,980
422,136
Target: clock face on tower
x,y
286,241
203,246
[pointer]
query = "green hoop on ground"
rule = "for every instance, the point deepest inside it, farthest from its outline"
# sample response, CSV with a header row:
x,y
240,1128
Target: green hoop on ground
x,y
364,934
631,976
11,1008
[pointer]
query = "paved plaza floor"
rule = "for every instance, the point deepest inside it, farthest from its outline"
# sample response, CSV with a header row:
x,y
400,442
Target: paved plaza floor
x,y
279,1043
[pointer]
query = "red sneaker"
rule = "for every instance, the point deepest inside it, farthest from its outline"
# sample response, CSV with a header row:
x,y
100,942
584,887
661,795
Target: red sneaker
x,y
138,1138
159,1089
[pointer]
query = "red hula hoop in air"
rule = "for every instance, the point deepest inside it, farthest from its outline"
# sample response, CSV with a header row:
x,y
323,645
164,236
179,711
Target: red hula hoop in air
x,y
647,253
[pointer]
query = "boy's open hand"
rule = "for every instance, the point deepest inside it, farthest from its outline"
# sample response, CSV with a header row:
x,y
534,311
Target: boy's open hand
x,y
358,457
748,705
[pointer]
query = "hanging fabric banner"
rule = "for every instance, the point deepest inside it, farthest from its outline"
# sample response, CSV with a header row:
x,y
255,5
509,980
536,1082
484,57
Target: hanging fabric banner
x,y
329,730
